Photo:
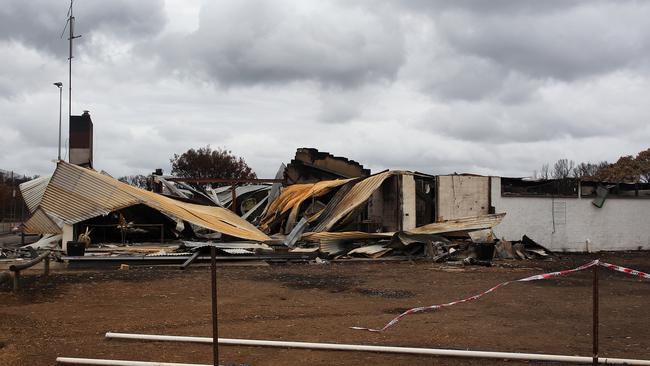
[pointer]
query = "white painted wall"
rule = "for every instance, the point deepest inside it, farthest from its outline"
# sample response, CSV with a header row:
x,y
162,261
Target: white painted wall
x,y
408,202
622,223
68,235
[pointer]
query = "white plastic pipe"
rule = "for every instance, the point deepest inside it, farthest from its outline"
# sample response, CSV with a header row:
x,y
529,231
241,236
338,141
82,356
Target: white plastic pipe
x,y
384,349
97,361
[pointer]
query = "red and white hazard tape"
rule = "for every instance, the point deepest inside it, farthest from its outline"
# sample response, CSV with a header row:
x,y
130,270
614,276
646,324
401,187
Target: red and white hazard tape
x,y
630,271
542,276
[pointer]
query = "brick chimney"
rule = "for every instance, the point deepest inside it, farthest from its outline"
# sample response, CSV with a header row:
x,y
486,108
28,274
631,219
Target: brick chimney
x,y
81,140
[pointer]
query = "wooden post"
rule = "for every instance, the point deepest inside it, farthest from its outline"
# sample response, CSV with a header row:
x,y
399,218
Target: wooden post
x,y
16,268
5,276
46,266
16,281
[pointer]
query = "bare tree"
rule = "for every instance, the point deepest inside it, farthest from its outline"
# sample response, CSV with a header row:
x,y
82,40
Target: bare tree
x,y
629,169
543,173
563,168
584,170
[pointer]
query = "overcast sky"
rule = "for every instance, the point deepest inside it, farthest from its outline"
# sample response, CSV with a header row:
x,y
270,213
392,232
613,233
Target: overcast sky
x,y
489,87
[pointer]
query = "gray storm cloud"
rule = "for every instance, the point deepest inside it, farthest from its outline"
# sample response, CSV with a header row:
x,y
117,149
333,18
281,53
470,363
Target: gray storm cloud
x,y
259,42
566,45
494,87
39,23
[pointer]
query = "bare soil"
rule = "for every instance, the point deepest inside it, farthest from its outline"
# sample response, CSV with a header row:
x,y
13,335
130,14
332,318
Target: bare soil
x,y
68,313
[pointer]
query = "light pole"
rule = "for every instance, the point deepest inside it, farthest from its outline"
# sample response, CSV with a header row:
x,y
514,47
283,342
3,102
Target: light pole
x,y
60,86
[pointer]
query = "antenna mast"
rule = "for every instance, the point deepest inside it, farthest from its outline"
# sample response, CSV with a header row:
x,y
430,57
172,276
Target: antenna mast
x,y
71,37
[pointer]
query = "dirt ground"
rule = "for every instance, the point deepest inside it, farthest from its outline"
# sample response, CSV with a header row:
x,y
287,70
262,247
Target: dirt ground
x,y
68,314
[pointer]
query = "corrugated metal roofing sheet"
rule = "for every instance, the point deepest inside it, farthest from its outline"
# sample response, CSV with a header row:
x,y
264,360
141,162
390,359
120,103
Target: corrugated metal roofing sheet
x,y
357,196
32,191
41,223
462,224
227,245
457,225
317,190
345,235
75,194
293,196
333,247
237,251
224,194
374,251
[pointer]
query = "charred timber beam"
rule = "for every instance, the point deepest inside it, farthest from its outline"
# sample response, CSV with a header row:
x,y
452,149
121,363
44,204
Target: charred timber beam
x,y
190,260
223,180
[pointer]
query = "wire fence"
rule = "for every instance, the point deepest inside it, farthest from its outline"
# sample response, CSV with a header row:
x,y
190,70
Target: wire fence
x,y
12,206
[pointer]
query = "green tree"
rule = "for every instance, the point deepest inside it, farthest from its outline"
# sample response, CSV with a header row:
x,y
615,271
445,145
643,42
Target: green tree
x,y
643,159
205,162
626,169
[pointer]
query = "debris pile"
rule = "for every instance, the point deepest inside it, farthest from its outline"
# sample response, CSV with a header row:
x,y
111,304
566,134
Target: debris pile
x,y
355,215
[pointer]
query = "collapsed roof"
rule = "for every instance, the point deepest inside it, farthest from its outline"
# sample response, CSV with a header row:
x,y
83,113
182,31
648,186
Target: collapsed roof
x,y
345,201
292,197
32,191
351,194
74,194
319,211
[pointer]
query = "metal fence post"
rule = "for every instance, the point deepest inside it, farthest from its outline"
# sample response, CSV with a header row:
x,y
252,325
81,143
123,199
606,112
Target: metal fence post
x,y
215,329
595,316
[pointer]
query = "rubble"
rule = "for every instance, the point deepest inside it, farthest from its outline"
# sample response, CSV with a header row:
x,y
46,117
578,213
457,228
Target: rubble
x,y
310,166
327,219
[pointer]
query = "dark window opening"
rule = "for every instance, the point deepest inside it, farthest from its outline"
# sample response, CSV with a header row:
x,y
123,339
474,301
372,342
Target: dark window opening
x,y
620,190
518,187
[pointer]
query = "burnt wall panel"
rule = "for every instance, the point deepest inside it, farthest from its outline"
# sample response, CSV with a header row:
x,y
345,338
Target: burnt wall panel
x,y
462,196
310,165
384,205
425,201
